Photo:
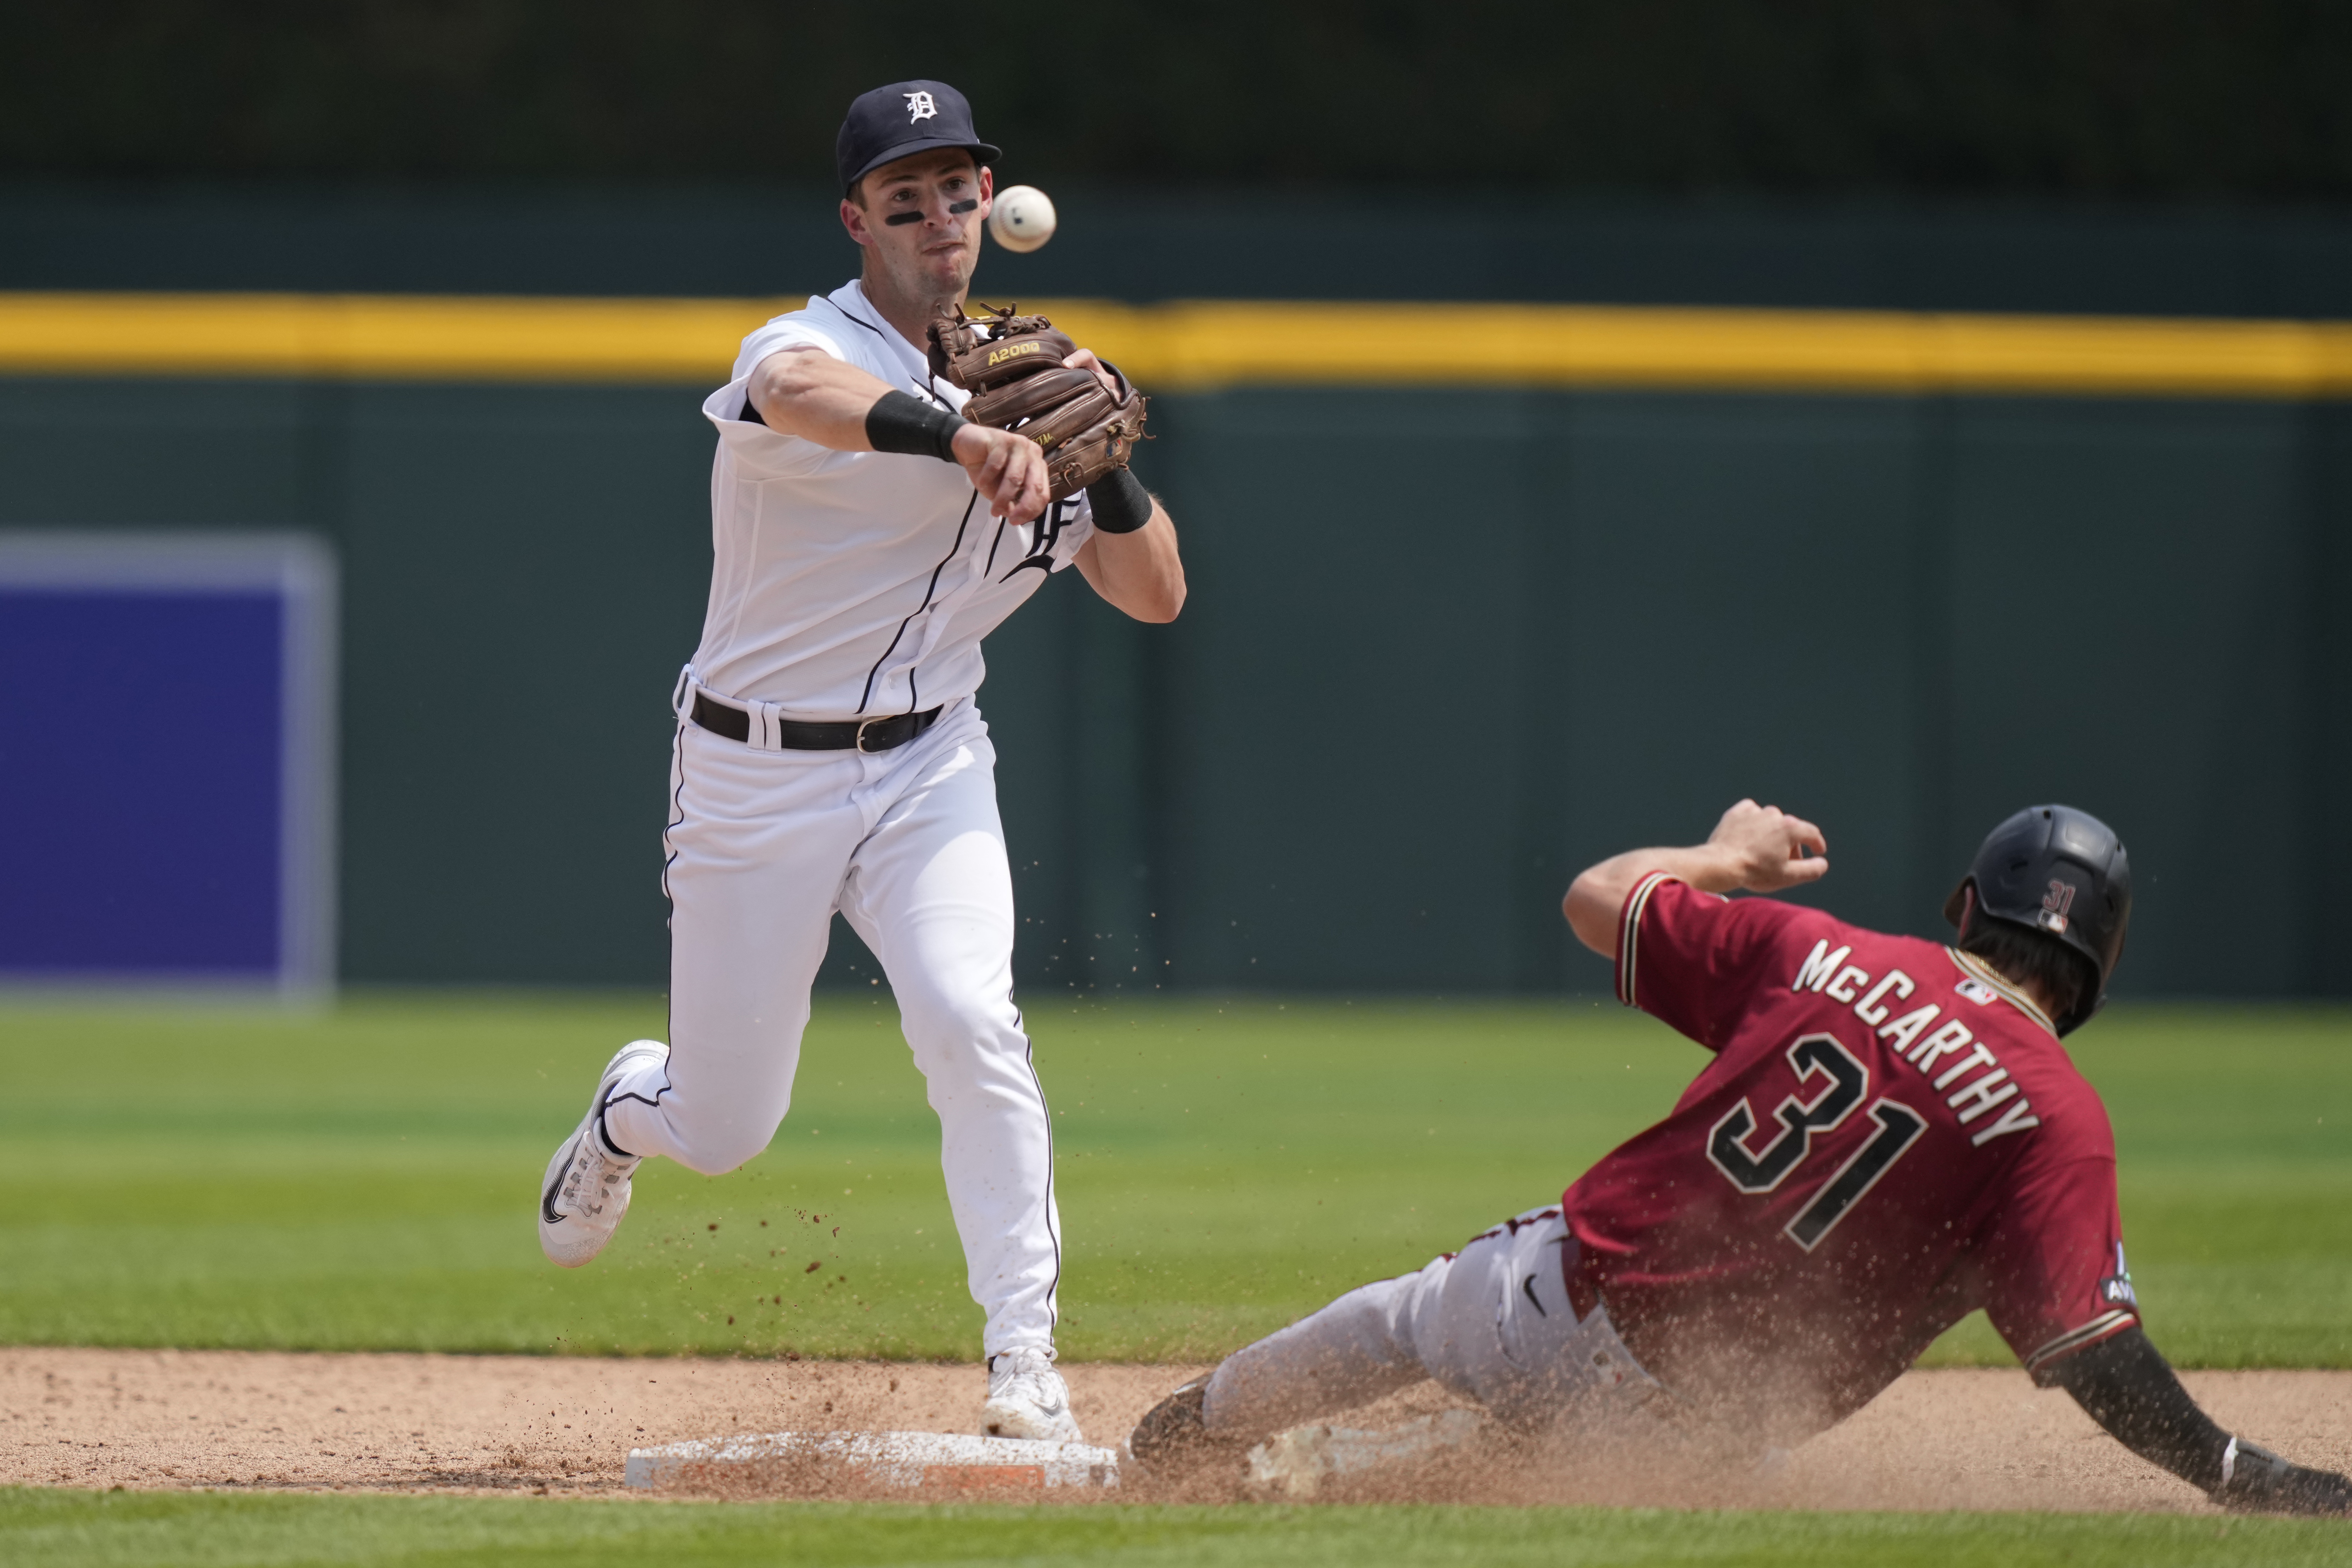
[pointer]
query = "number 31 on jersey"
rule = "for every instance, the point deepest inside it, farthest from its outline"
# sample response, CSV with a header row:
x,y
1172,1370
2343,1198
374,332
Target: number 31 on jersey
x,y
1847,1083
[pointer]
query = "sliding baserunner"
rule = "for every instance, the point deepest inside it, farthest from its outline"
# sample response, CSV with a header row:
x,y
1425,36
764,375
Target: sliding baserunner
x,y
1890,1136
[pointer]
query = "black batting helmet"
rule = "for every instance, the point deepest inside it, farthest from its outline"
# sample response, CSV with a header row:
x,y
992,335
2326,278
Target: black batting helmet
x,y
2063,872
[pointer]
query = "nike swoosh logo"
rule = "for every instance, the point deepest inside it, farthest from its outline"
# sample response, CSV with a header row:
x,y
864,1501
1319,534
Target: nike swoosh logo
x,y
547,1200
1055,1407
1528,1286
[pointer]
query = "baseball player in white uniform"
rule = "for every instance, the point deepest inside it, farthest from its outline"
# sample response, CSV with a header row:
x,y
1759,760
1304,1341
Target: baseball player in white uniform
x,y
830,755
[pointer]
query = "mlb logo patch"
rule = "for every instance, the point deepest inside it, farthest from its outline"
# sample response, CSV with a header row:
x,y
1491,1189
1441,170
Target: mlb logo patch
x,y
1976,991
2115,1289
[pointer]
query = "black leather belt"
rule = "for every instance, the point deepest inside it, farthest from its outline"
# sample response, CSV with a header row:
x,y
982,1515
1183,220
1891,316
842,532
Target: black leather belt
x,y
868,734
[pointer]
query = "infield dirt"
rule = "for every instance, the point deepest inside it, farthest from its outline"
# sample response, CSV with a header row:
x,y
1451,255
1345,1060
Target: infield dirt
x,y
1948,1439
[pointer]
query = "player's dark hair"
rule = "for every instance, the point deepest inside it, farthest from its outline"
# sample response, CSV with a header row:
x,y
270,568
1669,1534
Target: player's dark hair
x,y
2028,957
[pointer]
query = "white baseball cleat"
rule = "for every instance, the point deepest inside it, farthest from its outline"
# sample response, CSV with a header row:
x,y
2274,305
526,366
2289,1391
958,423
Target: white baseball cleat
x,y
587,1188
1026,1398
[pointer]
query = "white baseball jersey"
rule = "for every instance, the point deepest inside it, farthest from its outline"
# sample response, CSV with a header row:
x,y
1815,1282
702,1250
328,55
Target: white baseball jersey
x,y
847,584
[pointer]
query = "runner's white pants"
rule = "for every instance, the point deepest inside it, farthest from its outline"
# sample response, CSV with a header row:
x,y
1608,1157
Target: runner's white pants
x,y
764,846
1492,1322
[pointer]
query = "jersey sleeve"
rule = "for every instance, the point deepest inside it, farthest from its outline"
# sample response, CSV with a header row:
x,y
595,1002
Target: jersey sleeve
x,y
2053,1261
1691,959
793,332
755,448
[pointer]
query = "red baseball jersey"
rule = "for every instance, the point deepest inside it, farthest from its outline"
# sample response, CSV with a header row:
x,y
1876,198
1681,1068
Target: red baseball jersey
x,y
1890,1136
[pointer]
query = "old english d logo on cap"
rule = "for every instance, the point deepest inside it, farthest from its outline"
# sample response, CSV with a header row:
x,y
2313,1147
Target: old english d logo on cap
x,y
900,119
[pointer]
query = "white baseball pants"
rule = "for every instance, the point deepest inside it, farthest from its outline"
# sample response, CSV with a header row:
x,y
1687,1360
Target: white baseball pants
x,y
764,846
1492,1322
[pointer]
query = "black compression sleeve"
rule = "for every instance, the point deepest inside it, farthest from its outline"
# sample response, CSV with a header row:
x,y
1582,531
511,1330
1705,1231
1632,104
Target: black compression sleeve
x,y
2129,1388
2125,1385
1121,505
900,422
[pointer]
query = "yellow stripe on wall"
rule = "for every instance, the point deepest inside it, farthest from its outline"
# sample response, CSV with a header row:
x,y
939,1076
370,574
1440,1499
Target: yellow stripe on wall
x,y
1197,346
375,337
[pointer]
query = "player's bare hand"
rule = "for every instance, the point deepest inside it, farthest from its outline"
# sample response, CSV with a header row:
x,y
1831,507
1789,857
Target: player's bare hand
x,y
1769,848
1008,470
1084,359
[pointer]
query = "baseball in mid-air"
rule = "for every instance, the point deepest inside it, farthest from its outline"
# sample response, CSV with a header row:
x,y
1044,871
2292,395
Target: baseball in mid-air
x,y
1022,218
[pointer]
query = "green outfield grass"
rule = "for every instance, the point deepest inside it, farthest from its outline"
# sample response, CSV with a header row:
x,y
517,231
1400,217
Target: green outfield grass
x,y
167,1529
365,1178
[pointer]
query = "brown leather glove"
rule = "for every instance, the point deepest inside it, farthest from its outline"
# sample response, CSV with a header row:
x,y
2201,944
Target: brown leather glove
x,y
1013,366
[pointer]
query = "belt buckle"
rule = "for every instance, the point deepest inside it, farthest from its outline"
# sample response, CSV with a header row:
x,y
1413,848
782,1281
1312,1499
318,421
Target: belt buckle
x,y
863,724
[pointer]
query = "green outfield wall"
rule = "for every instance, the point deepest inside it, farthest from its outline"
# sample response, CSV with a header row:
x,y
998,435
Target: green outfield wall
x,y
1443,645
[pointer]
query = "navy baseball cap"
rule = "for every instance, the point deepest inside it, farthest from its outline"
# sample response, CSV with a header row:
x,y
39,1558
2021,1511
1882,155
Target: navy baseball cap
x,y
906,116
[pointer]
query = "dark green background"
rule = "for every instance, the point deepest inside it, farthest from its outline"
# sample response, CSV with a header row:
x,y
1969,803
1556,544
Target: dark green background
x,y
2062,98
1143,242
